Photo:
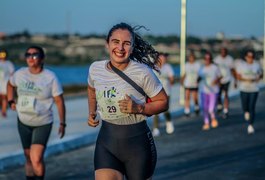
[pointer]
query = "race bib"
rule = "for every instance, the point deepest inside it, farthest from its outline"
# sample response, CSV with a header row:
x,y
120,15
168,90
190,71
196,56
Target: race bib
x,y
26,104
109,108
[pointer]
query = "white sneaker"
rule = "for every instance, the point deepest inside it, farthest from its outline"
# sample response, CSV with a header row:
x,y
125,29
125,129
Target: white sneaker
x,y
156,132
247,116
169,127
251,129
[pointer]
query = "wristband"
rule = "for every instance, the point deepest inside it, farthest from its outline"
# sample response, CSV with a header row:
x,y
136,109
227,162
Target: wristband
x,y
11,102
63,124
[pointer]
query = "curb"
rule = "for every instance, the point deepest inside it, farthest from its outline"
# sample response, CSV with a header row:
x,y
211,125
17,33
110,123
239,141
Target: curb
x,y
55,147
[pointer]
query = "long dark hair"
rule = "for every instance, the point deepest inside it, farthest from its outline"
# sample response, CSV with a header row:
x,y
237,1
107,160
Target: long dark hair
x,y
143,52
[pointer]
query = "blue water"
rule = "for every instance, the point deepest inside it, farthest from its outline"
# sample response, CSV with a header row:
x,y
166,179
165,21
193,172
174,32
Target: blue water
x,y
73,75
70,75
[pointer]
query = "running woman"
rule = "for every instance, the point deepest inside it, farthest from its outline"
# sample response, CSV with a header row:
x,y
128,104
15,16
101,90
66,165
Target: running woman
x,y
166,77
125,145
249,72
226,65
6,70
209,87
37,89
190,82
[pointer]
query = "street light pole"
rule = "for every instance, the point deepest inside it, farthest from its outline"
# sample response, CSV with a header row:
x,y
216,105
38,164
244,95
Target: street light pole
x,y
182,47
264,45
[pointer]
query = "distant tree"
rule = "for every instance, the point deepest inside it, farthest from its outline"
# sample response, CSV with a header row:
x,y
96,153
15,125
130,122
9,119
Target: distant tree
x,y
167,40
193,40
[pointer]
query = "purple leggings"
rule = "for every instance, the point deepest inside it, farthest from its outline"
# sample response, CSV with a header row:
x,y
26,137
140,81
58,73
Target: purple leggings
x,y
208,104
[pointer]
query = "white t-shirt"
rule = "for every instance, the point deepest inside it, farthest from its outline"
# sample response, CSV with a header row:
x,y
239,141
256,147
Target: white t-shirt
x,y
209,74
249,71
6,70
191,74
225,65
166,72
35,95
110,88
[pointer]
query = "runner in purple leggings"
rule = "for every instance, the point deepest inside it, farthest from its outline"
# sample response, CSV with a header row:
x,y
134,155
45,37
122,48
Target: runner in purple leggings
x,y
210,76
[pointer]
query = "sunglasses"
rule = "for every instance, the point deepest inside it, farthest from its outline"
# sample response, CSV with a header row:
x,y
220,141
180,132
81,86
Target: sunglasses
x,y
33,55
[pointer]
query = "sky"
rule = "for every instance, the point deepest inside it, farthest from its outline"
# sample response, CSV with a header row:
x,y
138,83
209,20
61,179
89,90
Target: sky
x,y
205,18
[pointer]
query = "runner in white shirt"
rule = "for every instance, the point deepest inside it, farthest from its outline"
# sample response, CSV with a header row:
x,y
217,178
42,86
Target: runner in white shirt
x,y
125,145
190,82
226,65
6,70
249,72
166,77
209,87
37,89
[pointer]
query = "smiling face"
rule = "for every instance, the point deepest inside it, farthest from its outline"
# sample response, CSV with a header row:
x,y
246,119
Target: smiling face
x,y
120,46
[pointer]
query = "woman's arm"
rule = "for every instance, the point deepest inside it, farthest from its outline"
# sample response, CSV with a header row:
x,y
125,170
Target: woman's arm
x,y
159,104
10,96
59,101
92,104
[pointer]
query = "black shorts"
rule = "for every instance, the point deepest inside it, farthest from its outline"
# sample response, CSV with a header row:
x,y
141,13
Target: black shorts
x,y
33,135
191,89
224,87
129,149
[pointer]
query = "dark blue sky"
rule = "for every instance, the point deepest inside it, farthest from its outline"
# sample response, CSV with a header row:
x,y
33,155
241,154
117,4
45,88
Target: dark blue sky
x,y
205,17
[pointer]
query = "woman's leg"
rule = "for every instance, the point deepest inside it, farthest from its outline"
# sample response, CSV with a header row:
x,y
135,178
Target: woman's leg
x,y
4,104
25,133
205,104
108,174
212,106
252,104
196,102
245,104
36,157
28,165
187,101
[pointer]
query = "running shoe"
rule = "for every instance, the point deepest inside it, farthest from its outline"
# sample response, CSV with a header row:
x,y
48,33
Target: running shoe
x,y
187,112
205,127
251,129
214,123
169,127
156,132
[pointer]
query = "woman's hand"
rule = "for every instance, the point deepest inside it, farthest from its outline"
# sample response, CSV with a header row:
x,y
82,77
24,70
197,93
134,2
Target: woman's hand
x,y
12,105
129,106
92,120
61,130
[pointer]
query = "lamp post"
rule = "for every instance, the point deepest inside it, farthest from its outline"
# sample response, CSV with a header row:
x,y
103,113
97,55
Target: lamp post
x,y
264,45
182,47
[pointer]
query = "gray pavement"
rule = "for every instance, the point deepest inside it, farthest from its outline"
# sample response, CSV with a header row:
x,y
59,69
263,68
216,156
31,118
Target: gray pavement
x,y
223,153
